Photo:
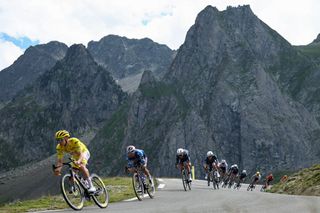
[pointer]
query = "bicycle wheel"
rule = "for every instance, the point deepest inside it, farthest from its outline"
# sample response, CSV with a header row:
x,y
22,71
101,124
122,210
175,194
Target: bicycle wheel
x,y
183,177
137,186
101,196
72,192
188,182
151,189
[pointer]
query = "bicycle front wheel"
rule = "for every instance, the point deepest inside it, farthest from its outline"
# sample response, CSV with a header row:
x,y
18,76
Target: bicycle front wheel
x,y
101,196
151,189
137,186
72,192
183,177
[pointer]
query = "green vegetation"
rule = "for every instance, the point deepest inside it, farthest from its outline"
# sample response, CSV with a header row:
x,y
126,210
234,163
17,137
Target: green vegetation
x,y
157,91
312,51
304,182
119,188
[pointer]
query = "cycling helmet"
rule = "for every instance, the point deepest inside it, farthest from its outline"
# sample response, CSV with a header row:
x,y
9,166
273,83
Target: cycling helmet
x,y
244,171
258,173
210,153
223,162
180,151
234,165
61,134
130,149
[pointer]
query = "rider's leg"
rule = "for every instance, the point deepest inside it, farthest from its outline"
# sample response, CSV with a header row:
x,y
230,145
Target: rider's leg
x,y
146,171
205,166
187,166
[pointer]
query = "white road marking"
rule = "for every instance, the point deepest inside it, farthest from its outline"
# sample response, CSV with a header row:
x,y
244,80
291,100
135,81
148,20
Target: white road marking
x,y
161,186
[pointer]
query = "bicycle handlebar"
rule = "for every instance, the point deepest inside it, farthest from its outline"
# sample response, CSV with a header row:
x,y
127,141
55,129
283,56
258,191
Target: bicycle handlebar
x,y
63,164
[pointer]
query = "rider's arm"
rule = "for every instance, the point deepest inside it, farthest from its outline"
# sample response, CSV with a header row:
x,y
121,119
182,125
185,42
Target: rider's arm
x,y
59,160
177,159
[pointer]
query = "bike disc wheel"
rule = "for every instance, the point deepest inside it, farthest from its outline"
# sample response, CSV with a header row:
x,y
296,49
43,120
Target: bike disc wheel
x,y
101,195
137,186
72,192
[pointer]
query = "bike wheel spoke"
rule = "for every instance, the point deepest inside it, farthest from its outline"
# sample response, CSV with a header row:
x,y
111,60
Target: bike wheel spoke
x,y
101,196
72,192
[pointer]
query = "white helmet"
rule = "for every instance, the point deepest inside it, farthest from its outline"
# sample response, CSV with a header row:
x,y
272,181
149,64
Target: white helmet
x,y
210,153
244,171
234,165
130,149
223,162
180,151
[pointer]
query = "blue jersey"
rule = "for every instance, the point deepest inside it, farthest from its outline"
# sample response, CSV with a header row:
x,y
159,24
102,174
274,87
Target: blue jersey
x,y
139,158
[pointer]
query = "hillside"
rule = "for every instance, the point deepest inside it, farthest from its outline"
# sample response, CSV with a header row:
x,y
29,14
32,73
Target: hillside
x,y
304,182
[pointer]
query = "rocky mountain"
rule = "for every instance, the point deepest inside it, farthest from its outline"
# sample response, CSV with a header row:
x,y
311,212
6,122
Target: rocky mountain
x,y
234,87
28,67
311,50
76,94
130,57
317,40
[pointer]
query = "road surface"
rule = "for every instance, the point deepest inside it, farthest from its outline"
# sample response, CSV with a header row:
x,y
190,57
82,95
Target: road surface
x,y
172,198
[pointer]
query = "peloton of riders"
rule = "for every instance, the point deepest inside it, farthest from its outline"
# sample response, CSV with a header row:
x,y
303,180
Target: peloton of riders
x,y
137,158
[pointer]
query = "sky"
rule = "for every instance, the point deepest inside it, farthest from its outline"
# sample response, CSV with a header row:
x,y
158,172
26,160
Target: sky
x,y
24,23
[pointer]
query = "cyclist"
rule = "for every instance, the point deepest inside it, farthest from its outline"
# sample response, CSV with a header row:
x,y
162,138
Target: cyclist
x,y
137,158
232,173
242,177
255,178
269,178
210,163
223,167
79,152
183,161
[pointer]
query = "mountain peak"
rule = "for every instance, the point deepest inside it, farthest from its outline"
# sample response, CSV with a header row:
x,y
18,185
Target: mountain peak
x,y
78,54
317,40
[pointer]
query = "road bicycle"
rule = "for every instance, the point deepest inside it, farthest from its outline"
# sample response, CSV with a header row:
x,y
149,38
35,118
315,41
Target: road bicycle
x,y
238,184
185,179
74,188
213,176
141,185
251,186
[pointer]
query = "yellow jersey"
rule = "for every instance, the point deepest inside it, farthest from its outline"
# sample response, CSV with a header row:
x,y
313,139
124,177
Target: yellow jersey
x,y
73,146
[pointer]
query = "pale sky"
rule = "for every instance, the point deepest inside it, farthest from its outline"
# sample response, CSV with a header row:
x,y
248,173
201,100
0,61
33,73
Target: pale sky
x,y
29,22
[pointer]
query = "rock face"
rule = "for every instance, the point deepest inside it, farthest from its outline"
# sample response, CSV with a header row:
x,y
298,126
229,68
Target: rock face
x,y
126,57
76,94
233,88
28,67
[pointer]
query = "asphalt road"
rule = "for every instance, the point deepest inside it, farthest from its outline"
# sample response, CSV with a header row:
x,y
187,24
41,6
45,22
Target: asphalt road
x,y
172,198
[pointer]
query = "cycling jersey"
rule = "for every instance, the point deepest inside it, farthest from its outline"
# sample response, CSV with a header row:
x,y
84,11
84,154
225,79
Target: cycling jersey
x,y
223,167
243,175
210,161
138,159
74,146
269,178
185,157
234,170
256,178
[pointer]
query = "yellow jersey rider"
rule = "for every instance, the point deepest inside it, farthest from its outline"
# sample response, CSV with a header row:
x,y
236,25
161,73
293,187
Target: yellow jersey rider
x,y
80,155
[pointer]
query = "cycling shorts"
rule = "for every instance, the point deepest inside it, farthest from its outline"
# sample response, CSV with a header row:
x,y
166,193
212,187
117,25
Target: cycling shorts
x,y
84,160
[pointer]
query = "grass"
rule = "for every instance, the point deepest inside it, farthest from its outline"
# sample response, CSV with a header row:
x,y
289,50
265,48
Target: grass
x,y
119,188
304,182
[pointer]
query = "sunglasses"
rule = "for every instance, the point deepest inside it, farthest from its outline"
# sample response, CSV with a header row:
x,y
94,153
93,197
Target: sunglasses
x,y
59,140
